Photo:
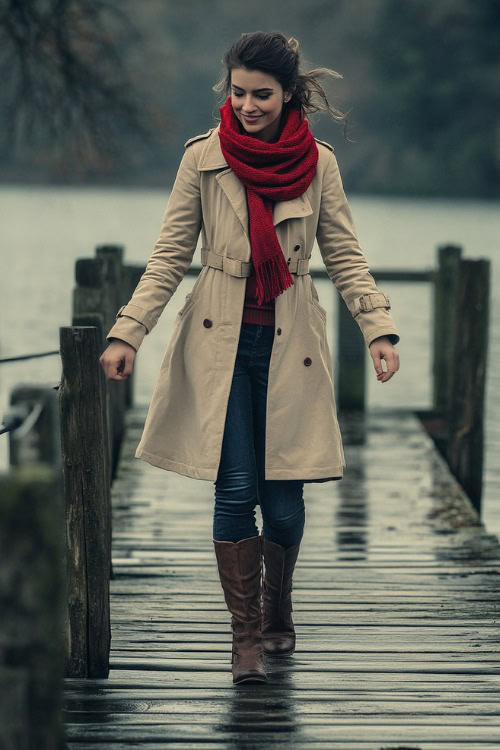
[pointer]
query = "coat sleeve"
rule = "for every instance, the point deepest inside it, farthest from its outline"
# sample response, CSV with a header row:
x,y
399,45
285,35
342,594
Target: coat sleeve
x,y
346,264
171,257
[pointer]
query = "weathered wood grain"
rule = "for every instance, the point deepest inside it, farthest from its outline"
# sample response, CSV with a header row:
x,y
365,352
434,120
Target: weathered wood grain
x,y
86,473
313,745
466,415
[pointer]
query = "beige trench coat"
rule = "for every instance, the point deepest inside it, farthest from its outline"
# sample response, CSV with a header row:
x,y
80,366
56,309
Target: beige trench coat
x,y
185,422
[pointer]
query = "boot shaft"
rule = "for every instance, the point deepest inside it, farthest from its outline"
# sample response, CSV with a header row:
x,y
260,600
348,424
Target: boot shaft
x,y
240,572
279,566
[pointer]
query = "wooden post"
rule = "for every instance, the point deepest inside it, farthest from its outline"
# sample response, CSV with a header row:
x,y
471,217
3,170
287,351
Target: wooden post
x,y
86,473
95,319
445,293
97,291
116,251
131,277
351,361
32,597
38,439
466,411
115,254
110,258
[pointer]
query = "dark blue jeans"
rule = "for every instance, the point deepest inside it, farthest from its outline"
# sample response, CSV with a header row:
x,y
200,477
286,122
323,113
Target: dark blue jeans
x,y
240,483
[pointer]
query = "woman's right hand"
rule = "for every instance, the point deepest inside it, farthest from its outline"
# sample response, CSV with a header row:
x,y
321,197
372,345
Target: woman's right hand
x,y
118,360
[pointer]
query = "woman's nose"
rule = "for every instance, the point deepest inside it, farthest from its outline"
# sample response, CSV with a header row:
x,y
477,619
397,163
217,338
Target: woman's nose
x,y
248,105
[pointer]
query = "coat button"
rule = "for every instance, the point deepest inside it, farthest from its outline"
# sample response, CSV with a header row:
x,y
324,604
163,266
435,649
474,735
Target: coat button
x,y
207,323
308,361
279,331
297,247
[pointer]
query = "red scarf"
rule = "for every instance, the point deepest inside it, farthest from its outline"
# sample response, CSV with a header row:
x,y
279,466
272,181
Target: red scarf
x,y
271,172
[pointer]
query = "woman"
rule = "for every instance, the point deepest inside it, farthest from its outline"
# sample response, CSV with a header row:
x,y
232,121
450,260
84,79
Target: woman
x,y
245,392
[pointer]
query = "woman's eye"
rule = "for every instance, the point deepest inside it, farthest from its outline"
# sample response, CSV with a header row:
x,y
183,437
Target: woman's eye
x,y
259,96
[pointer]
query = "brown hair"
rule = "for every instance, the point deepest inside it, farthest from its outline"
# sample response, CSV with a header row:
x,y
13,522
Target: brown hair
x,y
272,53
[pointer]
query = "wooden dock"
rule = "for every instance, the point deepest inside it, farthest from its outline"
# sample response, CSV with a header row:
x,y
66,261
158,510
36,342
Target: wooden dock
x,y
396,605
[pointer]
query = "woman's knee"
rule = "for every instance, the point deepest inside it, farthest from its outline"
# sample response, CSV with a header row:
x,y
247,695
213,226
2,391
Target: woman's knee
x,y
283,511
285,521
236,494
284,529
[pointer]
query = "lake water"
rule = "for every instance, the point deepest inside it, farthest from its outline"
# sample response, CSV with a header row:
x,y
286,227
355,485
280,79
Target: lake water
x,y
45,229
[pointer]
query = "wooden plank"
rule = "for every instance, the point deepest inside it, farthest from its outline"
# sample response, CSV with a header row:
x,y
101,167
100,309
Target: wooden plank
x,y
307,656
163,679
185,697
336,705
373,732
313,745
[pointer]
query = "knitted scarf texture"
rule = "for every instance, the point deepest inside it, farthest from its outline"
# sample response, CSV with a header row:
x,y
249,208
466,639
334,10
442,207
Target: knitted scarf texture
x,y
270,172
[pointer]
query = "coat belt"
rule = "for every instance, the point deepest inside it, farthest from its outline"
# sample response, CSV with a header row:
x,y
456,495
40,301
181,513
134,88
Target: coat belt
x,y
235,267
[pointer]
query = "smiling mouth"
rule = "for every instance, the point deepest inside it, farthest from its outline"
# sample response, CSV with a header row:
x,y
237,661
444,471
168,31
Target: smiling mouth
x,y
251,119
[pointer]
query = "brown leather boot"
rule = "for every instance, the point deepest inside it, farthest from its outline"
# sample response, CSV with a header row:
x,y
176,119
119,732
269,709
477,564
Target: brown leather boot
x,y
278,632
240,573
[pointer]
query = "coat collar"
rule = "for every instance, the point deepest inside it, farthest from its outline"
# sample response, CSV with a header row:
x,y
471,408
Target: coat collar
x,y
212,158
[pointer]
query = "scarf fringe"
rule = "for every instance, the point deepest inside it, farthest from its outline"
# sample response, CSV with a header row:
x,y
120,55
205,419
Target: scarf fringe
x,y
273,277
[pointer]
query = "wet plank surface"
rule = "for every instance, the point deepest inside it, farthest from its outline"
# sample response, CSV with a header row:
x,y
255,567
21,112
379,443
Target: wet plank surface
x,y
396,605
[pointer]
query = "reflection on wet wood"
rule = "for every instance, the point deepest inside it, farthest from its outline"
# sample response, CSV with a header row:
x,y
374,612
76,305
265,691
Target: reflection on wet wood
x,y
395,603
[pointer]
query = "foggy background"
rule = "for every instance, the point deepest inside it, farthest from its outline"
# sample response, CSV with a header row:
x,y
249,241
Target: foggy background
x,y
108,92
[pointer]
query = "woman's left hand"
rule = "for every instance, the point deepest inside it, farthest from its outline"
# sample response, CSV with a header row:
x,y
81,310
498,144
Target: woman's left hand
x,y
381,348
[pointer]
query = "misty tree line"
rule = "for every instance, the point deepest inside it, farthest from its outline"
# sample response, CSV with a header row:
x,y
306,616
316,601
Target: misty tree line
x,y
108,90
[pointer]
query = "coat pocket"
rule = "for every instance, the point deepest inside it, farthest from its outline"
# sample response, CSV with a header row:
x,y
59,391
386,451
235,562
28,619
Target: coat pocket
x,y
192,296
188,302
313,300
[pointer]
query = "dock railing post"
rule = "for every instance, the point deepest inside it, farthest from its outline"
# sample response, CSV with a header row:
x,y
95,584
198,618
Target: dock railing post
x,y
465,414
98,292
351,361
130,279
37,439
32,606
445,293
87,492
123,291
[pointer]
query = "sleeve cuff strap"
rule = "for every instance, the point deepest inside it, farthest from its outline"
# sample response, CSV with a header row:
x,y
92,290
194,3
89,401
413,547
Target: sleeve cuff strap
x,y
368,302
137,313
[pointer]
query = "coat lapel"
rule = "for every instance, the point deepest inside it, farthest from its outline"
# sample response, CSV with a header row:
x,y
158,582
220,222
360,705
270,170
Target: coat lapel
x,y
236,194
212,158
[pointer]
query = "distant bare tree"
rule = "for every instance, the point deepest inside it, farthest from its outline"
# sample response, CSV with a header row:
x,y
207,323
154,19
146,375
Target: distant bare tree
x,y
65,86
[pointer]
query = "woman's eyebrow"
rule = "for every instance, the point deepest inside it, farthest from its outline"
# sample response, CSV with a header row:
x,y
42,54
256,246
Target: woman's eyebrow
x,y
239,87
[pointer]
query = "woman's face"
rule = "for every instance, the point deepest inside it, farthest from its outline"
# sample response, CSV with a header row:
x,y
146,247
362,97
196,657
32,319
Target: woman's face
x,y
257,99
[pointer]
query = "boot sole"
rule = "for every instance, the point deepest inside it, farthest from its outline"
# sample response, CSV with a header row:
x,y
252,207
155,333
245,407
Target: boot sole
x,y
252,679
279,653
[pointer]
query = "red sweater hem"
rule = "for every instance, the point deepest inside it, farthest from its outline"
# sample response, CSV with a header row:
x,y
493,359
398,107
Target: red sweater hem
x,y
258,317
